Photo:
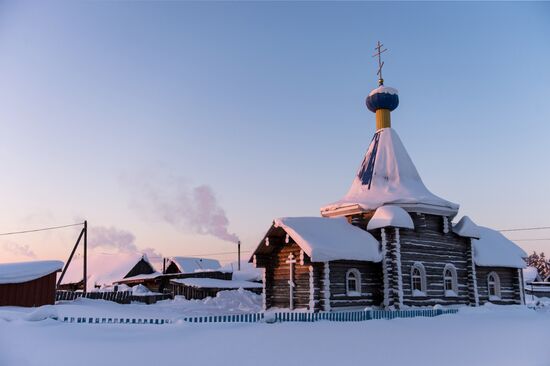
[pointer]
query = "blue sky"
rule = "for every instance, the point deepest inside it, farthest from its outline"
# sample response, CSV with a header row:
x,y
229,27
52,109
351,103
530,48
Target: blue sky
x,y
102,102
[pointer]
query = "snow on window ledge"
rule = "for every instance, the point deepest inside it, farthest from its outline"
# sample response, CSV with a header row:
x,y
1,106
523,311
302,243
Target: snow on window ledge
x,y
494,298
450,293
418,293
353,293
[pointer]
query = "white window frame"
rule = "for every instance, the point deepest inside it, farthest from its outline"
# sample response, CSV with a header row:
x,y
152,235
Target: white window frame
x,y
357,290
422,271
496,281
454,280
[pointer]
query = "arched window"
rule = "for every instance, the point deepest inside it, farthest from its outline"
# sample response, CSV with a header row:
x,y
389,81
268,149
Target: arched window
x,y
353,282
418,279
493,286
450,284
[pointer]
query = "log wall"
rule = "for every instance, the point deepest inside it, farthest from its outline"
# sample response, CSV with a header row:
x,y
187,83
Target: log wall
x,y
371,284
509,285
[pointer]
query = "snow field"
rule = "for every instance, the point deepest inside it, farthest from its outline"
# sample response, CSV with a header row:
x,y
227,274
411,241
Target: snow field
x,y
485,336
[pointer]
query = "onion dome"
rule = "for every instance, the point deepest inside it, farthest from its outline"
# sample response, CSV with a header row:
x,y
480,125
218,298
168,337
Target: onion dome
x,y
382,97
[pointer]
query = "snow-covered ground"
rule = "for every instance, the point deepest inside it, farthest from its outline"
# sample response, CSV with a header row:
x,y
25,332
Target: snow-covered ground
x,y
489,335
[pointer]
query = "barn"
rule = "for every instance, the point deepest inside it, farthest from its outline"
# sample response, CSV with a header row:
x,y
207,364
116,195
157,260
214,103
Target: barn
x,y
389,242
28,284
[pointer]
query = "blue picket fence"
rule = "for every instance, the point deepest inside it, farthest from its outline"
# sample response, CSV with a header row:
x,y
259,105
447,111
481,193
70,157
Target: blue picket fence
x,y
89,320
340,316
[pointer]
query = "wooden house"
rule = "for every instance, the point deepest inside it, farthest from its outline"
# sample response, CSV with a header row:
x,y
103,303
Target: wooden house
x,y
141,272
388,242
28,284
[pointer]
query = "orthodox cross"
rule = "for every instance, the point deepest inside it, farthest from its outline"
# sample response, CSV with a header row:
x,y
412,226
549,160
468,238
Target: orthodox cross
x,y
291,261
379,50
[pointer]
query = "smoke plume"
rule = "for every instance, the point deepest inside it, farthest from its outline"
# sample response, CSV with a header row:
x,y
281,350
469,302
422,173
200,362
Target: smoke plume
x,y
111,238
22,250
195,209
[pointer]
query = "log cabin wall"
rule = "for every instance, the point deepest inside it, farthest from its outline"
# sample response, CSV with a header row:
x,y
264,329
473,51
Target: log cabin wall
x,y
509,285
431,246
371,284
278,275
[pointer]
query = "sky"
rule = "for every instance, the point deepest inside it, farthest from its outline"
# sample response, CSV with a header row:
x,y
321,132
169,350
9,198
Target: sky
x,y
177,126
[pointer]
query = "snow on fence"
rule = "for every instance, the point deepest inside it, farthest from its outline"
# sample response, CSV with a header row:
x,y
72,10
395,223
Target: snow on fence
x,y
341,316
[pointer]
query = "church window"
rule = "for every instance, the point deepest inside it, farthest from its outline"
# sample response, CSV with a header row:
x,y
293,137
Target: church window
x,y
450,282
493,286
418,279
353,282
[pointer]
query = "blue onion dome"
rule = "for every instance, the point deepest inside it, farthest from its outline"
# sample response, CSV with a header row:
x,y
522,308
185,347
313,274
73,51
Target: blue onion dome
x,y
382,97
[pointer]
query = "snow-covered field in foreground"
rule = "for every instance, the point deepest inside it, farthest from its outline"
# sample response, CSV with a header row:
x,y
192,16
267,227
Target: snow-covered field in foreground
x,y
490,335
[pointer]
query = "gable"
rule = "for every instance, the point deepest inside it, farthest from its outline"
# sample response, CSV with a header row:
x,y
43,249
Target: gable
x,y
323,239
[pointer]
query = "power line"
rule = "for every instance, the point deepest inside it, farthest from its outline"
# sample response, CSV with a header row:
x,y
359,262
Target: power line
x,y
187,255
537,239
527,228
41,229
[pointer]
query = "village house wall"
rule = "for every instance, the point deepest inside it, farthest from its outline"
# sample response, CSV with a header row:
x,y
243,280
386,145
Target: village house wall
x,y
370,279
509,285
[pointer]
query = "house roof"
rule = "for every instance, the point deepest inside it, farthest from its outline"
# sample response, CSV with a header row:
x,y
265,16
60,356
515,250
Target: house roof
x,y
139,277
386,176
493,249
104,268
389,215
20,272
192,264
327,239
467,228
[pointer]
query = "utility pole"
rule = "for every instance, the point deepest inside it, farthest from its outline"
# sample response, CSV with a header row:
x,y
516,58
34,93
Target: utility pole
x,y
239,255
85,256
83,235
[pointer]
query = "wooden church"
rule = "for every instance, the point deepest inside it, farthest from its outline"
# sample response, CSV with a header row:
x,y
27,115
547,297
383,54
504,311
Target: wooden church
x,y
389,242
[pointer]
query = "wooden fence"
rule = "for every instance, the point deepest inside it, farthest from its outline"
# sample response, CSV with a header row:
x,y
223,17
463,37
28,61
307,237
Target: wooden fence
x,y
340,316
121,297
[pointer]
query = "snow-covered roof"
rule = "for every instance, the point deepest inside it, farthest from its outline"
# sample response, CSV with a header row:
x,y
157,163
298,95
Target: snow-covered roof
x,y
140,277
466,227
388,176
384,90
191,264
103,268
216,283
493,249
27,271
247,273
326,239
393,216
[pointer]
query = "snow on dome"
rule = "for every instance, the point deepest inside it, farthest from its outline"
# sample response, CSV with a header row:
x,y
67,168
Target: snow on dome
x,y
466,227
393,216
27,271
383,90
328,239
388,176
493,249
191,264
